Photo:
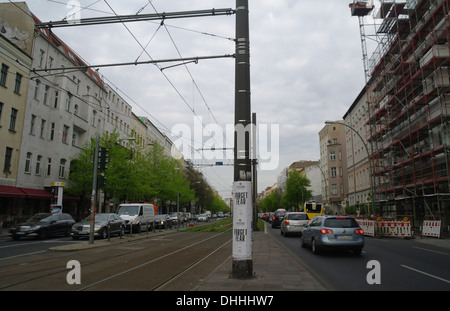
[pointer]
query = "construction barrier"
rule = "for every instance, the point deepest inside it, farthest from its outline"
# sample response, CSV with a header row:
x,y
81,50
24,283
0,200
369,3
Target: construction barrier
x,y
385,228
368,226
393,228
431,228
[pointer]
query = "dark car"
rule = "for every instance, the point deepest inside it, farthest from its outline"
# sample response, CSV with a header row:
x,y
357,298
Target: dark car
x,y
162,221
333,233
103,222
43,225
278,217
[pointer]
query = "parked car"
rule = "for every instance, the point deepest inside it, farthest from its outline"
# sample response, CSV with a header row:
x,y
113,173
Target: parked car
x,y
294,223
277,217
202,217
333,233
162,221
138,215
43,225
175,218
103,221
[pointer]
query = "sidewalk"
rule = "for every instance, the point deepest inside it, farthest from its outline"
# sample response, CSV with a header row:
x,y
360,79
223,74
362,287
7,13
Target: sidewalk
x,y
274,269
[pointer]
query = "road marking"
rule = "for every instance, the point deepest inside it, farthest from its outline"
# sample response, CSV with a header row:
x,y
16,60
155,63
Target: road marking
x,y
427,274
430,250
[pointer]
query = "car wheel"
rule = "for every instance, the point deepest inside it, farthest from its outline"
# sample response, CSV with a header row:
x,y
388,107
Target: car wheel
x,y
314,248
302,242
104,234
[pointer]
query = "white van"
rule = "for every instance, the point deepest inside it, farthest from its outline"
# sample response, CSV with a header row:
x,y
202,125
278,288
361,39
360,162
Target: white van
x,y
139,215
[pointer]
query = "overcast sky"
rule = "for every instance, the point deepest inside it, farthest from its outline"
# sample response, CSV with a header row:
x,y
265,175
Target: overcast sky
x,y
306,67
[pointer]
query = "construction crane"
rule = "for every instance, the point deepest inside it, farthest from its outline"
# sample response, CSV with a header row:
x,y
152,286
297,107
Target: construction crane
x,y
361,8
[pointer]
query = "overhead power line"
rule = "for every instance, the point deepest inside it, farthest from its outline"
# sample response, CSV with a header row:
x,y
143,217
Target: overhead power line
x,y
186,59
135,18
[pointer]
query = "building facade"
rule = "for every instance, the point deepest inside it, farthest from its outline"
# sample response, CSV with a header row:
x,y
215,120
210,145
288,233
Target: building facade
x,y
51,105
409,108
333,164
359,169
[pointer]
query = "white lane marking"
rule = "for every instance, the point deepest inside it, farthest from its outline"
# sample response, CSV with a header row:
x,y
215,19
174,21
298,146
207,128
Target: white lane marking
x,y
427,274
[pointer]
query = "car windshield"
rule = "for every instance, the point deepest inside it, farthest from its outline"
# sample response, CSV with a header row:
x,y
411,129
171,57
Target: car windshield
x,y
98,217
297,217
173,214
128,210
161,216
40,217
340,223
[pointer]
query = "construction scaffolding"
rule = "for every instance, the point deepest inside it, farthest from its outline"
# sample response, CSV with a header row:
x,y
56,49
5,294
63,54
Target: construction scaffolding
x,y
408,102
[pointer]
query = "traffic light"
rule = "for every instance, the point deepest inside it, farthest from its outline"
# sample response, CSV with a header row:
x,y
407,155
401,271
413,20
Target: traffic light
x,y
101,181
103,159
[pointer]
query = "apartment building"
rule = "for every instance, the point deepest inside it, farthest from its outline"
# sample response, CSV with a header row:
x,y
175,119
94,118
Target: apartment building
x,y
51,105
333,164
359,169
409,107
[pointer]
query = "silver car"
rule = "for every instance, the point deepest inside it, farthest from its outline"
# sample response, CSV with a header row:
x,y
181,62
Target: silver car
x,y
294,223
333,232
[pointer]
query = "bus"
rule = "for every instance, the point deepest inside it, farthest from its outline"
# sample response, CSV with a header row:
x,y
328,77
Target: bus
x,y
313,208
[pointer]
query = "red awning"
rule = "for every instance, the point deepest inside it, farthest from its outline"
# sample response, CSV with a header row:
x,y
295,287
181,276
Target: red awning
x,y
36,193
11,192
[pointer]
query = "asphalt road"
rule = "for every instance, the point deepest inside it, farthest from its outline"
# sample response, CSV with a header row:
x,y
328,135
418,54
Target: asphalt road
x,y
400,265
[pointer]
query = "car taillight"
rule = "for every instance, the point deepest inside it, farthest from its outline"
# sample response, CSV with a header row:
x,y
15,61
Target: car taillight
x,y
326,231
287,222
359,231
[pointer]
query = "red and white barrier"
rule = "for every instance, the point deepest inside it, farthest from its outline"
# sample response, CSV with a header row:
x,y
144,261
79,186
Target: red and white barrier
x,y
431,228
368,226
393,228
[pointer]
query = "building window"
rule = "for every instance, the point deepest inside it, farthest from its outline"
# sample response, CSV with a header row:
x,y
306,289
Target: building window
x,y
12,120
42,133
3,74
38,165
62,168
55,105
65,134
7,163
18,83
1,109
333,172
332,155
49,167
94,115
41,58
52,131
46,89
68,101
36,89
28,163
334,189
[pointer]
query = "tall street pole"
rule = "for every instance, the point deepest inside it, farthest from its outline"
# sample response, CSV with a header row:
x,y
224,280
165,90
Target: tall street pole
x,y
94,191
242,214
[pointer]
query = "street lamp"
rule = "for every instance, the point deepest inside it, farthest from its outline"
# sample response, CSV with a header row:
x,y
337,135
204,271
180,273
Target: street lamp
x,y
368,158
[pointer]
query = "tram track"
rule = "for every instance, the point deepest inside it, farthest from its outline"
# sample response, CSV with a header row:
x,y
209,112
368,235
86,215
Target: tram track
x,y
149,264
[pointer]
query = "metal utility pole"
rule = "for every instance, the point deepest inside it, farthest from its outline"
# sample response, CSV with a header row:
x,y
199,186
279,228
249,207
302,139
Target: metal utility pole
x,y
242,215
94,191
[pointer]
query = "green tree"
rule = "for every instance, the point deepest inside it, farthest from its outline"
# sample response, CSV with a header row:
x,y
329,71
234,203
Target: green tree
x,y
296,190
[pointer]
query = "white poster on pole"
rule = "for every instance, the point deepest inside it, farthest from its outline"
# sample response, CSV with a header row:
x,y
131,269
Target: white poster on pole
x,y
242,221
